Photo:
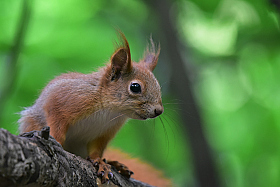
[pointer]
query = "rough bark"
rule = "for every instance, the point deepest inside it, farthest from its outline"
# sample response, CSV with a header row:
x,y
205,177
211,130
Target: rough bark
x,y
37,159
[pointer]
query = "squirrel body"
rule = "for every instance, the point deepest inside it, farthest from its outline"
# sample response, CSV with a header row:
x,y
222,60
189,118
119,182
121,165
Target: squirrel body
x,y
85,111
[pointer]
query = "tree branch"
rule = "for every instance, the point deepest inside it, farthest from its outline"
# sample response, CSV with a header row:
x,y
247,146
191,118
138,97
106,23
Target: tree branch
x,y
37,159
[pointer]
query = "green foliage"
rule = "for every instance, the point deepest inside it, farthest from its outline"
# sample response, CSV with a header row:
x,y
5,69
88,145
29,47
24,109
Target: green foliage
x,y
234,47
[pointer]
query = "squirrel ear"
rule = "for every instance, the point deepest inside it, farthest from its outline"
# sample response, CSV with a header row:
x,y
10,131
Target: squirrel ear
x,y
121,59
151,56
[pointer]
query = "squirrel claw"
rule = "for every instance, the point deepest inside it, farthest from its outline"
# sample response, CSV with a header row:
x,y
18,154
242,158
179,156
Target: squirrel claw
x,y
110,175
122,169
103,169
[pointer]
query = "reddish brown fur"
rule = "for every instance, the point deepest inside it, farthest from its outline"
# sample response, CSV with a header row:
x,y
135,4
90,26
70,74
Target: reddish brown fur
x,y
87,110
154,177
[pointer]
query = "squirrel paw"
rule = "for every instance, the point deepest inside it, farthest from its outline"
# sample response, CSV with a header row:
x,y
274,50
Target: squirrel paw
x,y
122,169
103,169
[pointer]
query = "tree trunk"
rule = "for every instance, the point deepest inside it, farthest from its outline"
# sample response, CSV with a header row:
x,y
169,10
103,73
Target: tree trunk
x,y
204,165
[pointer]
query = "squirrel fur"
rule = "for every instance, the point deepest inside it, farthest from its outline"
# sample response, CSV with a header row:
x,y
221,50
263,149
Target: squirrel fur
x,y
85,111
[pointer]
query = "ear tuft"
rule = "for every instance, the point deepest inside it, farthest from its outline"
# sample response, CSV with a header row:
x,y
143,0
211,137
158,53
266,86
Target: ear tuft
x,y
151,55
121,59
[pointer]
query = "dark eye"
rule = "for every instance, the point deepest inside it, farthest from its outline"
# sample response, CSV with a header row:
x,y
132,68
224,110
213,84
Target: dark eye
x,y
135,88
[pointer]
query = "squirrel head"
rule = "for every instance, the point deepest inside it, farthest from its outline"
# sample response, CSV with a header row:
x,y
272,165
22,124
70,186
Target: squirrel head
x,y
131,87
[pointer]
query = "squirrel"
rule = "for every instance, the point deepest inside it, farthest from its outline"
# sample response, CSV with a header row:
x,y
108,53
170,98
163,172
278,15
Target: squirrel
x,y
85,111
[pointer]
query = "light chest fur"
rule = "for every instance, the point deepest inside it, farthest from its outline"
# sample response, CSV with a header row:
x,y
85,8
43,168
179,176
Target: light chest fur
x,y
90,128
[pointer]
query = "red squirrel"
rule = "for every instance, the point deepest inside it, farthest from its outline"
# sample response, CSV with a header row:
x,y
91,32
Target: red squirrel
x,y
85,111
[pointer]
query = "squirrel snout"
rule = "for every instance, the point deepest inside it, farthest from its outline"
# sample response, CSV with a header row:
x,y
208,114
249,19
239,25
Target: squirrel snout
x,y
158,110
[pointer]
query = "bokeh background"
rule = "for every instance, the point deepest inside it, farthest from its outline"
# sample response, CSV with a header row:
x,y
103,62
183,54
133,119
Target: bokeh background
x,y
219,69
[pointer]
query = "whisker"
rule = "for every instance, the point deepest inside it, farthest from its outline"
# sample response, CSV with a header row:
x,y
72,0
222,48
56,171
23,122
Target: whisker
x,y
174,110
173,120
175,101
154,125
152,134
162,84
166,136
170,126
171,103
181,101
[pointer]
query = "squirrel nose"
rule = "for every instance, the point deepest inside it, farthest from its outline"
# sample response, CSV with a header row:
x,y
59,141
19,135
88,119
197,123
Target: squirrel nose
x,y
158,111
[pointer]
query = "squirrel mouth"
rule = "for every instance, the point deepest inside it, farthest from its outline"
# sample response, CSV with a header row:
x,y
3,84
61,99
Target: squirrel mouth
x,y
140,117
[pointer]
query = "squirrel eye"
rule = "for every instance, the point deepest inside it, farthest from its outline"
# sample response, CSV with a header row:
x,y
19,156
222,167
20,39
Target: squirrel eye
x,y
135,88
